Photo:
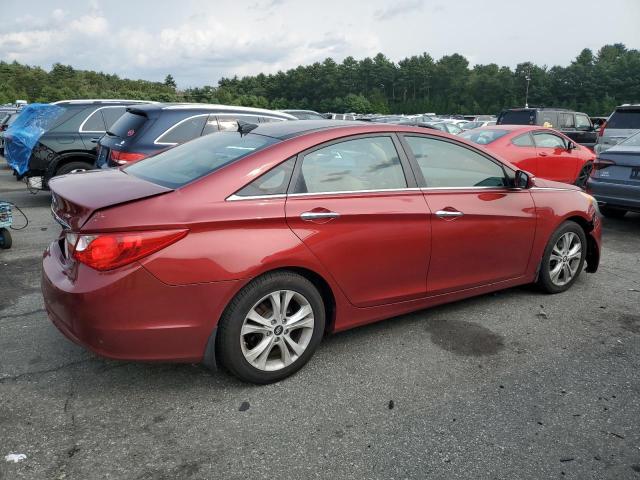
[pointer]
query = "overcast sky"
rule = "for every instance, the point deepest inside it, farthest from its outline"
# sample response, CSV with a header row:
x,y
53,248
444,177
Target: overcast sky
x,y
198,41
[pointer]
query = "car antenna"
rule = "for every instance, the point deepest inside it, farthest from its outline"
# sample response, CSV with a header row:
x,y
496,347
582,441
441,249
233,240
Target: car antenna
x,y
245,127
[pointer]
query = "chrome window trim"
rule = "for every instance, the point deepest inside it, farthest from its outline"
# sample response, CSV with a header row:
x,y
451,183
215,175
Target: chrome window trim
x,y
496,187
558,189
80,129
234,197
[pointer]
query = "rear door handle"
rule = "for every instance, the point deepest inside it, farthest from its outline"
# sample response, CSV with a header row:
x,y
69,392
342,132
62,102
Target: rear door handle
x,y
448,213
311,216
542,154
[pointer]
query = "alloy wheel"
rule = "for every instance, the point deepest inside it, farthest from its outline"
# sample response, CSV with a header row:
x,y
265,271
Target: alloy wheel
x,y
565,259
277,330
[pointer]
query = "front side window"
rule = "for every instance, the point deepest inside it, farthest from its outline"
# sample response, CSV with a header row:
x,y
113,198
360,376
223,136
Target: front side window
x,y
370,163
178,166
583,122
447,165
566,120
183,131
94,123
274,182
549,140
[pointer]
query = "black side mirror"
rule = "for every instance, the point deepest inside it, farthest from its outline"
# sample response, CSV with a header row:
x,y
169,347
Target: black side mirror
x,y
571,146
522,180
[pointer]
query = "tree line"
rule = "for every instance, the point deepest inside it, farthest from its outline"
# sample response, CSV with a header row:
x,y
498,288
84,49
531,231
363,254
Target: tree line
x,y
593,83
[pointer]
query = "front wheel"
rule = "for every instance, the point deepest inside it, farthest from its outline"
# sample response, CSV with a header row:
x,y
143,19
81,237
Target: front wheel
x,y
563,258
271,328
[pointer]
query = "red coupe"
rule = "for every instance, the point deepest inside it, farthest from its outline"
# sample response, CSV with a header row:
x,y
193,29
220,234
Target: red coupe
x,y
542,151
246,247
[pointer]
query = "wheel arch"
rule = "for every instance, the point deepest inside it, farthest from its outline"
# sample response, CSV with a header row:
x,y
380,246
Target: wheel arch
x,y
68,157
593,253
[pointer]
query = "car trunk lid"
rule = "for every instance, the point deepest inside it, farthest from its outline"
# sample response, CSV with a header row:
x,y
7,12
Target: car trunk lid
x,y
77,196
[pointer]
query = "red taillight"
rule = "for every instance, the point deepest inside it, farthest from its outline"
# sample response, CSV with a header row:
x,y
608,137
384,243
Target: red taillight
x,y
602,127
599,164
124,157
106,251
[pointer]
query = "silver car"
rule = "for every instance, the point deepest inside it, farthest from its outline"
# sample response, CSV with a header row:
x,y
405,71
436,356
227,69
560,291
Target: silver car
x,y
623,122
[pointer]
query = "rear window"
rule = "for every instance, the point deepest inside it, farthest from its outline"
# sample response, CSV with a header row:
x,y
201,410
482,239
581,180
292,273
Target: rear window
x,y
127,125
517,117
625,119
484,137
185,163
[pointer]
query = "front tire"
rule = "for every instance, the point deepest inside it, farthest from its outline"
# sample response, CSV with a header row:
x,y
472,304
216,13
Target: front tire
x,y
563,258
5,239
271,328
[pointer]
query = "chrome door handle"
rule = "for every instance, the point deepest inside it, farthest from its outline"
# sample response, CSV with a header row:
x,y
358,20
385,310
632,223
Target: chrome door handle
x,y
309,216
447,213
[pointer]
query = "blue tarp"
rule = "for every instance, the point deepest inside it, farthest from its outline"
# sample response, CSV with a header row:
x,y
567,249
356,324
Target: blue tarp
x,y
26,130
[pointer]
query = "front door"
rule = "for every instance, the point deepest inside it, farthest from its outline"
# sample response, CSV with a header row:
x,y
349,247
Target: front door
x,y
352,206
555,160
482,230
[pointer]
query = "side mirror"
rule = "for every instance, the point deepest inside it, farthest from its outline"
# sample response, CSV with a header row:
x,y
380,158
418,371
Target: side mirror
x,y
571,146
523,180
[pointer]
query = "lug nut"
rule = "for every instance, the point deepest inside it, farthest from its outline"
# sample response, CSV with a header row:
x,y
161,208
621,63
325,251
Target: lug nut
x,y
286,331
277,340
273,322
268,334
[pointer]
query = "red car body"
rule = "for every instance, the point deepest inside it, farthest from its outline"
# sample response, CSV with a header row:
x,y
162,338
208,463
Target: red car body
x,y
387,254
558,163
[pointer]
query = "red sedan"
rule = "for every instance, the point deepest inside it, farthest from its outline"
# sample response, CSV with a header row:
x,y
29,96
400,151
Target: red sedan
x,y
542,151
244,248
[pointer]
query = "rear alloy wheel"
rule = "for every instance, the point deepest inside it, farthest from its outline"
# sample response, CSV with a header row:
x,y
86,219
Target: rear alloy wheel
x,y
272,327
583,176
563,258
74,167
613,212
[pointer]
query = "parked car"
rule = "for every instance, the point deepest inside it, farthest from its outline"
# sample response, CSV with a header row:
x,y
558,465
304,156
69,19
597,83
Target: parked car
x,y
147,129
67,144
446,126
544,152
575,125
304,114
621,124
341,116
5,123
245,247
615,180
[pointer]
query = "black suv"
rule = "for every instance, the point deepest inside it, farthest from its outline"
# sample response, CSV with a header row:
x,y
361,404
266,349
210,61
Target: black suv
x,y
70,144
146,129
575,125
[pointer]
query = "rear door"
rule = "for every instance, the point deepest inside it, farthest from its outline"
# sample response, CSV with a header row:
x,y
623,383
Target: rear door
x,y
355,205
568,125
481,230
555,161
585,132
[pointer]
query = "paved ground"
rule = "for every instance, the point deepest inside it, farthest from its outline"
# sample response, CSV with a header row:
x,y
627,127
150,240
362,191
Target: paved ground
x,y
514,385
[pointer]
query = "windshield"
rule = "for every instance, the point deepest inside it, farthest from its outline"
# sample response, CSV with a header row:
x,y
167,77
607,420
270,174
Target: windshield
x,y
625,119
180,165
484,137
517,117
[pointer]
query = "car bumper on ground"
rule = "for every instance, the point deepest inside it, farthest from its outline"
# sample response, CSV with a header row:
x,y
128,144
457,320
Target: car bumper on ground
x,y
129,314
614,194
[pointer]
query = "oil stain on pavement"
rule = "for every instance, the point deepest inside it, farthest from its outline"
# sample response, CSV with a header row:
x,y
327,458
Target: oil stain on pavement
x,y
464,338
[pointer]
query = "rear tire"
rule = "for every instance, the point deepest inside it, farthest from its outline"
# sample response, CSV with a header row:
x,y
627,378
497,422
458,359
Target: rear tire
x,y
271,328
74,166
583,176
613,212
563,258
5,239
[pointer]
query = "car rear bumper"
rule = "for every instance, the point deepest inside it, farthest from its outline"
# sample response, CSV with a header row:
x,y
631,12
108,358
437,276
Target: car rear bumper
x,y
129,314
615,195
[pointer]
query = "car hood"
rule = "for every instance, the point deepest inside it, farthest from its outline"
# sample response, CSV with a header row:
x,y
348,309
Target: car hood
x,y
544,183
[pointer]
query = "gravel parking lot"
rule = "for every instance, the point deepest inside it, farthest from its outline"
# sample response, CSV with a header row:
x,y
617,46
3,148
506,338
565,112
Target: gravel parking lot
x,y
510,385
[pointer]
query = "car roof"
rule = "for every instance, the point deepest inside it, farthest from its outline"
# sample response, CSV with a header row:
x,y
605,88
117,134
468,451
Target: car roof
x,y
285,130
204,107
93,101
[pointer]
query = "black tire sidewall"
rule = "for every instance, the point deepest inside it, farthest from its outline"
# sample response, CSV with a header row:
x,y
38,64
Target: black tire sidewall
x,y
544,277
228,337
69,167
5,239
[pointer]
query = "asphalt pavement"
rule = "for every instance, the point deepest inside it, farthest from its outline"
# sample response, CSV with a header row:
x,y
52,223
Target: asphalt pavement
x,y
512,385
